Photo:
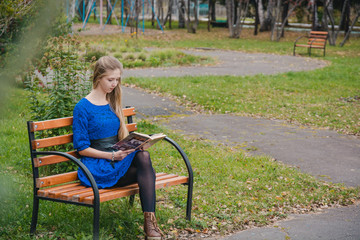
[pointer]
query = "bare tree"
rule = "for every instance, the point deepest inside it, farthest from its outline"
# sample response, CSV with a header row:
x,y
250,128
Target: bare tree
x,y
181,7
266,24
236,14
261,13
342,18
329,15
191,25
294,5
275,19
357,9
168,14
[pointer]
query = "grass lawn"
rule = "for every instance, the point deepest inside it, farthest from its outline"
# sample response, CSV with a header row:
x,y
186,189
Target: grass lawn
x,y
232,191
327,98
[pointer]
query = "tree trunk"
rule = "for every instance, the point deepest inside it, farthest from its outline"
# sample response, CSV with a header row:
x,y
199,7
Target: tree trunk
x,y
266,25
296,4
357,8
274,20
181,14
284,16
168,14
152,12
213,10
342,17
315,17
261,13
256,24
329,11
108,11
230,12
236,21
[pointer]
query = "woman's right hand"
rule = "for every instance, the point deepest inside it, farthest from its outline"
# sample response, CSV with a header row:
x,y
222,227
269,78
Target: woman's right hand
x,y
120,155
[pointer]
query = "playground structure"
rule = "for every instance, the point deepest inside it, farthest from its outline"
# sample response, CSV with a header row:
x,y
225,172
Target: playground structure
x,y
128,13
132,12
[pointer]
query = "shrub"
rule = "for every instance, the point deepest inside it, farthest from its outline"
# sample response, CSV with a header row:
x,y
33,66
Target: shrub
x,y
94,54
118,56
60,75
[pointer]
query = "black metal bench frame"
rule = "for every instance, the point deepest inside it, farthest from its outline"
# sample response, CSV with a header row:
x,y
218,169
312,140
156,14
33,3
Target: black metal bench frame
x,y
96,202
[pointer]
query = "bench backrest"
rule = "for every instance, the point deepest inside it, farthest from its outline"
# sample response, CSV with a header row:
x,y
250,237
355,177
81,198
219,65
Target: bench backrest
x,y
318,38
38,143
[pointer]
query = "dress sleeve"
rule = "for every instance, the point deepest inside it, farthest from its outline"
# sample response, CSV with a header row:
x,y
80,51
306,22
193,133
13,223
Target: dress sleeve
x,y
81,138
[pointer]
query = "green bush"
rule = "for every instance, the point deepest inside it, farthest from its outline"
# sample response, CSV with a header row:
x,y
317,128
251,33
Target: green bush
x,y
94,54
62,78
118,56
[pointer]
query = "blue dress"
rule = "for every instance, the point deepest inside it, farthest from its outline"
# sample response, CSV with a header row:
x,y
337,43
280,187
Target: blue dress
x,y
95,122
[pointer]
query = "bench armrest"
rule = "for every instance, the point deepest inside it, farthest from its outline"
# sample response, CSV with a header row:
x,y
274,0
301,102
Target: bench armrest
x,y
81,166
299,39
184,157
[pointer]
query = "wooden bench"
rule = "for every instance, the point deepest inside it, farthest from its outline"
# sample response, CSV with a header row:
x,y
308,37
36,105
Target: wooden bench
x,y
316,40
66,188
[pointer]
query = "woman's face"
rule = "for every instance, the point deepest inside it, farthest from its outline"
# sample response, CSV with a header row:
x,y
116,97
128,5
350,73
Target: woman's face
x,y
108,82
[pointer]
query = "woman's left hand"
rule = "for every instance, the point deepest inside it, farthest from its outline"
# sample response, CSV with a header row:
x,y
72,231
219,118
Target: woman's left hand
x,y
120,155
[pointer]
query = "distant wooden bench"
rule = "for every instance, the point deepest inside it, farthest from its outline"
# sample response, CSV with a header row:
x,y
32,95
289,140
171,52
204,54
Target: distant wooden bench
x,y
66,188
316,40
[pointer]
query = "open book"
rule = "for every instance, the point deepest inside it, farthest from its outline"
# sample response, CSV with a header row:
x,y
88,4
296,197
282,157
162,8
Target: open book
x,y
138,140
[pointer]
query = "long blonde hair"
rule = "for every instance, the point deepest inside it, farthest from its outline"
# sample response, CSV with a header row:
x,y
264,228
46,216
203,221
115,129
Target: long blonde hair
x,y
103,65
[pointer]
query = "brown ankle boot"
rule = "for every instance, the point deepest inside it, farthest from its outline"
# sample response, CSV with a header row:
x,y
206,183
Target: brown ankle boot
x,y
152,231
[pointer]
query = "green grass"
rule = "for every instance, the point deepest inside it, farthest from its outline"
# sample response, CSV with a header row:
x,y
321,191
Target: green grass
x,y
231,191
321,98
327,97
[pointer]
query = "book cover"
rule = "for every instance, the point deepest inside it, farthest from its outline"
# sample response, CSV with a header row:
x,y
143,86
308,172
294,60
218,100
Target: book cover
x,y
137,140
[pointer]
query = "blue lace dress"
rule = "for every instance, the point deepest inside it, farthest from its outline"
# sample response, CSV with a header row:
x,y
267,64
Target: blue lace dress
x,y
95,122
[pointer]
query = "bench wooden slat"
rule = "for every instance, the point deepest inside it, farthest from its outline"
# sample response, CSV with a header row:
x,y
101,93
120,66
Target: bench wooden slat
x,y
56,179
319,32
79,197
67,121
52,159
131,190
56,193
69,196
129,112
52,141
50,124
317,40
44,192
131,127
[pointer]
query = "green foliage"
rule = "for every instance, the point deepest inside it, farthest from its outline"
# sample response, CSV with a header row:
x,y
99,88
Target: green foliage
x,y
56,83
61,80
18,16
94,54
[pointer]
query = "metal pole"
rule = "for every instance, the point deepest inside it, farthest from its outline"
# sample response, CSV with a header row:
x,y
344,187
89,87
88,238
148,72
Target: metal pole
x,y
101,13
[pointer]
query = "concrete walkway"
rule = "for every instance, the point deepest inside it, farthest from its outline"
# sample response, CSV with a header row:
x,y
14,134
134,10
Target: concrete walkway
x,y
325,154
233,63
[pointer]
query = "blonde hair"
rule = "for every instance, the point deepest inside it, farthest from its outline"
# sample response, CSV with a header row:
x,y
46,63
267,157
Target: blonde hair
x,y
103,65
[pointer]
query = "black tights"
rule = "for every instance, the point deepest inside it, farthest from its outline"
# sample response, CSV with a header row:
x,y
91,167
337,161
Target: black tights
x,y
142,172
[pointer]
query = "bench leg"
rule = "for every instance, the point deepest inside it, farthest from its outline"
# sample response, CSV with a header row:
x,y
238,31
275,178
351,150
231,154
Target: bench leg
x,y
34,216
189,201
96,222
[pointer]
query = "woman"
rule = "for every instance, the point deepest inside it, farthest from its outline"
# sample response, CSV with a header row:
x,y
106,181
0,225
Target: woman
x,y
98,124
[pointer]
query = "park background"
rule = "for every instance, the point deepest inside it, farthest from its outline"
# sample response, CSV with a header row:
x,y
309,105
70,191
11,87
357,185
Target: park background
x,y
234,190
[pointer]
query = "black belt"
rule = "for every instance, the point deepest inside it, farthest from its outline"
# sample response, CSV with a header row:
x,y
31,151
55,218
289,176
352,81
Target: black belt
x,y
104,144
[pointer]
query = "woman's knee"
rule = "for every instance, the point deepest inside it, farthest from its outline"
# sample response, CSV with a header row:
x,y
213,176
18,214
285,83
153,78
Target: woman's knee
x,y
143,158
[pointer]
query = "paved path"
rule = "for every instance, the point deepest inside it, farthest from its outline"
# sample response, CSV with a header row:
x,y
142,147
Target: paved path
x,y
322,153
233,63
